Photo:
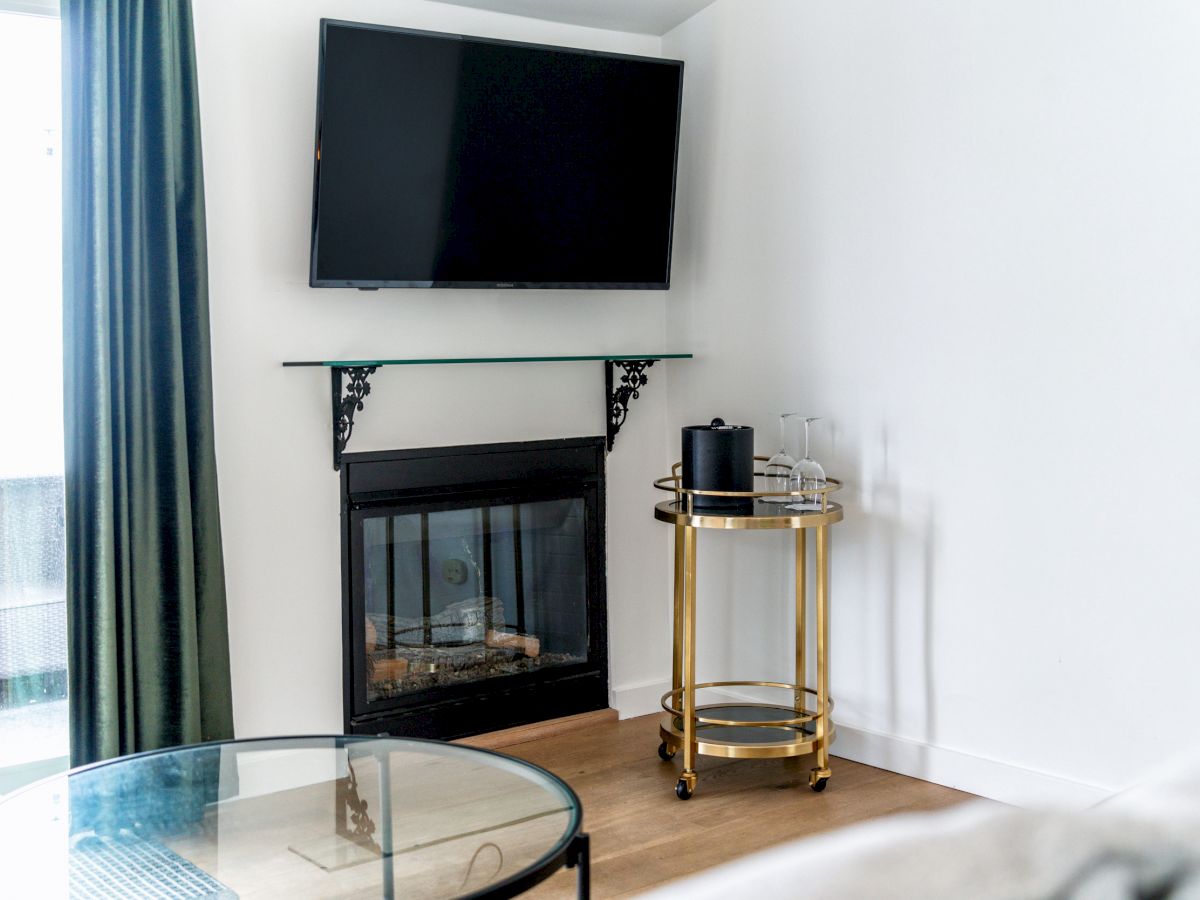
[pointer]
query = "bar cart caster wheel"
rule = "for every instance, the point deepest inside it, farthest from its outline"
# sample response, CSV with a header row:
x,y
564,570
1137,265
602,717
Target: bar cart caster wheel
x,y
817,780
665,753
682,790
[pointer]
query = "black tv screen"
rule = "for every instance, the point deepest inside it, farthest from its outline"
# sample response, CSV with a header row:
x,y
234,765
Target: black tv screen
x,y
452,161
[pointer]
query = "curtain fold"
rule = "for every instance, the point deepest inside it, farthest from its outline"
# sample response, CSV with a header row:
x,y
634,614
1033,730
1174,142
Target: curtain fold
x,y
148,661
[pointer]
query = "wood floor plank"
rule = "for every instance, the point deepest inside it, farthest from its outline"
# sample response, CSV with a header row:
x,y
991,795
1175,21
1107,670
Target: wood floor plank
x,y
510,737
642,836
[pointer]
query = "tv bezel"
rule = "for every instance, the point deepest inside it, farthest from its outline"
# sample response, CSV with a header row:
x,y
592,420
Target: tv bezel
x,y
372,284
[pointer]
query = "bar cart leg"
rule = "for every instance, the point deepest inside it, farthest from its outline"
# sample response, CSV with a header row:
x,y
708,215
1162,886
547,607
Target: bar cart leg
x,y
819,777
579,857
801,619
667,751
677,642
687,781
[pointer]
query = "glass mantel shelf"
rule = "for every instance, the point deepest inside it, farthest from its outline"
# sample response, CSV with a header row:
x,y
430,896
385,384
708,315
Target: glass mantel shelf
x,y
461,360
348,398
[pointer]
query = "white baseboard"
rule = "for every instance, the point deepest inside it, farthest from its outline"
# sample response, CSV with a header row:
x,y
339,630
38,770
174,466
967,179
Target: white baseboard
x,y
955,769
640,699
964,771
977,775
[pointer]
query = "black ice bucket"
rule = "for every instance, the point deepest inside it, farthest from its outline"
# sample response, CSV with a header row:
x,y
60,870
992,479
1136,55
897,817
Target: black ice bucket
x,y
719,457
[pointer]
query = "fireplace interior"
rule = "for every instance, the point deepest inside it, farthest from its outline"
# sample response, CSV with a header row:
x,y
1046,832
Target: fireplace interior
x,y
473,585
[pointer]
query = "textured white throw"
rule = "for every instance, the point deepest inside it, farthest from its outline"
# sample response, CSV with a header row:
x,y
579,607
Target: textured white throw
x,y
1142,843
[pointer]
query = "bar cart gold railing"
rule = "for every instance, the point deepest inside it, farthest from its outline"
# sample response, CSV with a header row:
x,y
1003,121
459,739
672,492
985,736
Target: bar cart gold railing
x,y
732,728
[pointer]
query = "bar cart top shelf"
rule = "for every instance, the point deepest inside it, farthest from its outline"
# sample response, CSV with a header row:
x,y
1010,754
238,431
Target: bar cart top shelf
x,y
757,513
763,515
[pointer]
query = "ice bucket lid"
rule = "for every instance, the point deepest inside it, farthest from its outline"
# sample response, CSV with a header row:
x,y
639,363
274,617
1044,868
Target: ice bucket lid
x,y
717,425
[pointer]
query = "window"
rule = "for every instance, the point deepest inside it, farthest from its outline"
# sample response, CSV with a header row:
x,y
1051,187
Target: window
x,y
33,627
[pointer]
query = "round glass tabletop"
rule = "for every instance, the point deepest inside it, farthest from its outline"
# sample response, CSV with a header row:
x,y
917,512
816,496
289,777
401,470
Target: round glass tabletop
x,y
292,817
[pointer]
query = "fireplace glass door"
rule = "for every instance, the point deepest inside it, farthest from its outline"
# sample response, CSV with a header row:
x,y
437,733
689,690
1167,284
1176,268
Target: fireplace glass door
x,y
456,595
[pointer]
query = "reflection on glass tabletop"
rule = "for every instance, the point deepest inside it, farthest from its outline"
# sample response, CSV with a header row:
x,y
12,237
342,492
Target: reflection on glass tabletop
x,y
289,817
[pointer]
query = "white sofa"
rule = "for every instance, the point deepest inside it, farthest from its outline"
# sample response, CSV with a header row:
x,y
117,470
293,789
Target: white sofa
x,y
1142,843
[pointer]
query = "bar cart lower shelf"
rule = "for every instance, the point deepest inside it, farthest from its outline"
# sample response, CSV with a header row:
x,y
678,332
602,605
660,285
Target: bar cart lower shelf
x,y
741,730
800,721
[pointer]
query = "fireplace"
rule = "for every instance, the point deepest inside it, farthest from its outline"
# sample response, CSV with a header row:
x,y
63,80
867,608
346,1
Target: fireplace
x,y
473,587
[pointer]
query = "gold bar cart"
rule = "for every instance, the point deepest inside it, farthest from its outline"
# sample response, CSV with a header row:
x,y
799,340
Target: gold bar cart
x,y
732,728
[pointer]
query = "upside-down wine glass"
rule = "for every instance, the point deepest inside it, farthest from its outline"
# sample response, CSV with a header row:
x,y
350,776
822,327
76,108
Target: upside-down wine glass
x,y
778,469
807,475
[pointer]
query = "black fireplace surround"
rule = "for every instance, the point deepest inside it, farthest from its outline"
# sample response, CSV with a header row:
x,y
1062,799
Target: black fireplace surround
x,y
473,594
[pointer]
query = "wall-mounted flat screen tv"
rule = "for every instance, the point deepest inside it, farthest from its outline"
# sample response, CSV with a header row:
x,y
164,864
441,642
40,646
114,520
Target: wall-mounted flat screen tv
x,y
452,161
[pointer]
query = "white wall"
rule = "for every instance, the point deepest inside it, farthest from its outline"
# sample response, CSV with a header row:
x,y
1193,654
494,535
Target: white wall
x,y
968,234
279,495
964,232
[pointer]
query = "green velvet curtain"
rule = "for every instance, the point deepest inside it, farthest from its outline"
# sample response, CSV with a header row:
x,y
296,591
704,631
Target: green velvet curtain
x,y
148,645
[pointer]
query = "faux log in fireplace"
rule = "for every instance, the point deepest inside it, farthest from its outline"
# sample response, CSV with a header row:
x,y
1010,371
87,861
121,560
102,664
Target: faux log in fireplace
x,y
473,587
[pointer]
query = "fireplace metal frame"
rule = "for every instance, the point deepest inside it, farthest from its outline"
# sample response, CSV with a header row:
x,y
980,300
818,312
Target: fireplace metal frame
x,y
431,479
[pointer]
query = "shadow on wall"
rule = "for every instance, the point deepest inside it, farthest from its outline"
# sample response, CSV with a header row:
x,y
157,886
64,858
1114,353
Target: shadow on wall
x,y
891,542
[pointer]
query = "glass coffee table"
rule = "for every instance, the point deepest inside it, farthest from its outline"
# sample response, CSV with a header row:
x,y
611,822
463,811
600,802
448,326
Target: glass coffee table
x,y
297,818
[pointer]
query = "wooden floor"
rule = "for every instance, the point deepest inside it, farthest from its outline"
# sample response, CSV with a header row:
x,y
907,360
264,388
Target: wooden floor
x,y
642,836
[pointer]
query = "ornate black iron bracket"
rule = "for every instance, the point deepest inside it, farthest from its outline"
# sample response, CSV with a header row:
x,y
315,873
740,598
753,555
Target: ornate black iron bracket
x,y
617,398
345,405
